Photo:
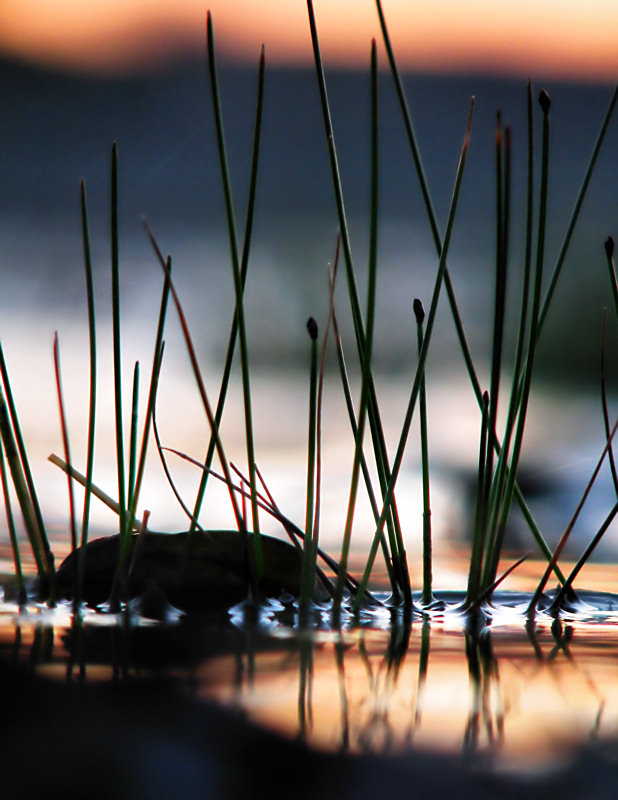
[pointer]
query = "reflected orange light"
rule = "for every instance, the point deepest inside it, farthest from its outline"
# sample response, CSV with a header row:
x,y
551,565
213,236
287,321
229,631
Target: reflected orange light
x,y
525,37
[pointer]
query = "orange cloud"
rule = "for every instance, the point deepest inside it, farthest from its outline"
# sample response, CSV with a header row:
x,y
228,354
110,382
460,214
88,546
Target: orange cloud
x,y
526,37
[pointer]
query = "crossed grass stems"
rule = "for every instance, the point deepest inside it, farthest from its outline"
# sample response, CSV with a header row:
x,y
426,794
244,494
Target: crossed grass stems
x,y
498,460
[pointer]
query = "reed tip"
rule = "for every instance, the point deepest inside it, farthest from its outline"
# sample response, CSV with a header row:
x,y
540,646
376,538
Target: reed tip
x,y
544,101
609,246
312,327
419,311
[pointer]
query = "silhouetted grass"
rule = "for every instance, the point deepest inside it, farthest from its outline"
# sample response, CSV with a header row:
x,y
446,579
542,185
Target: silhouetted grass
x,y
499,451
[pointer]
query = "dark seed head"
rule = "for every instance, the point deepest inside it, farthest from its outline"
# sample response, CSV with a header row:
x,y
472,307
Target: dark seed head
x,y
312,327
419,311
544,101
609,246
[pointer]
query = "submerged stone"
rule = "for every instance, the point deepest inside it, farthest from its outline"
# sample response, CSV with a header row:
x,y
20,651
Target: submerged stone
x,y
194,571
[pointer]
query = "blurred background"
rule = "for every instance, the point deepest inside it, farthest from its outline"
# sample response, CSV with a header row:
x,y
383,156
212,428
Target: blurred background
x,y
76,77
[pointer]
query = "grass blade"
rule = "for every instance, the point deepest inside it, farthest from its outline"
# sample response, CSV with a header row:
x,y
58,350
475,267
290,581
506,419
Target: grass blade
x,y
421,361
133,435
96,492
227,369
375,423
238,289
604,407
21,587
116,343
251,574
566,587
65,441
368,342
609,252
23,481
477,553
427,595
491,565
438,244
363,462
308,564
92,383
579,201
563,539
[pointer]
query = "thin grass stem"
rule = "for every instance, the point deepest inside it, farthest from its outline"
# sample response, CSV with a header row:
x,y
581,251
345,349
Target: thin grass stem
x,y
427,594
365,469
421,361
194,524
34,516
609,252
375,423
133,435
308,561
319,407
227,369
480,530
238,288
92,384
568,584
95,490
579,201
491,565
438,244
563,539
604,407
65,440
252,582
116,344
10,521
290,528
368,341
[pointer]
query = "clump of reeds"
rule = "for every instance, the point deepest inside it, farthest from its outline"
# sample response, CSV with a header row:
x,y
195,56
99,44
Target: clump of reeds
x,y
499,450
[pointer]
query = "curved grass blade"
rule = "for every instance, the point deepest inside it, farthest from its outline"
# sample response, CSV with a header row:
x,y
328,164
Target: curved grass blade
x,y
252,583
293,531
194,524
563,539
65,441
566,587
92,383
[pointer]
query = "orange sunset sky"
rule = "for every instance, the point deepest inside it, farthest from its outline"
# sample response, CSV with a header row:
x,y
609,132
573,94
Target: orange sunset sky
x,y
539,38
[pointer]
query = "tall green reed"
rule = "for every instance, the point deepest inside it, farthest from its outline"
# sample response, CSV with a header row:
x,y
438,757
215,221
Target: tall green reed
x,y
571,225
238,278
395,539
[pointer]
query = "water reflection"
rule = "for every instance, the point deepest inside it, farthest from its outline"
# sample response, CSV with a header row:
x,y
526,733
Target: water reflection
x,y
514,693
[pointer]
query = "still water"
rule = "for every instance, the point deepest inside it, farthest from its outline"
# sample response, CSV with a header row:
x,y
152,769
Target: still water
x,y
517,696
